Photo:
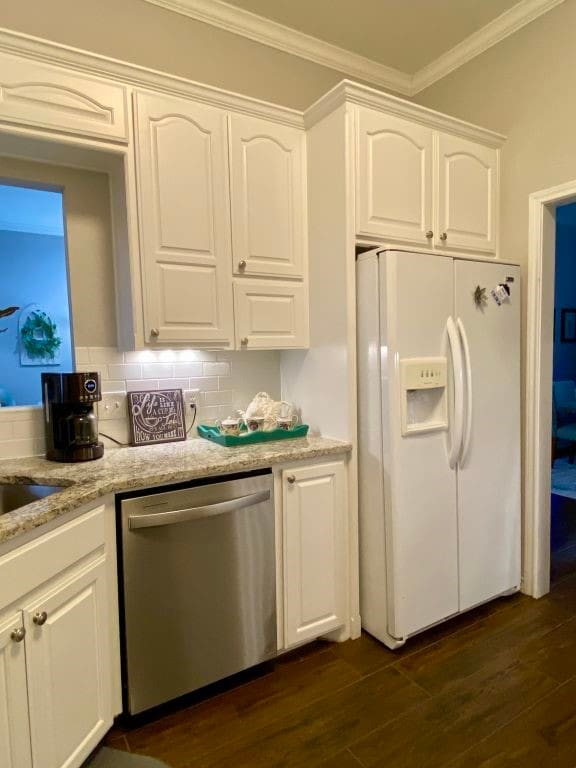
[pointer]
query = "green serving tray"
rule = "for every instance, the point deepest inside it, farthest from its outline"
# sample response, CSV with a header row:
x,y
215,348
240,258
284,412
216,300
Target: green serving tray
x,y
250,438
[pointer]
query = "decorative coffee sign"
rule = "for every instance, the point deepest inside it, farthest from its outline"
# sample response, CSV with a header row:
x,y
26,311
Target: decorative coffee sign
x,y
156,416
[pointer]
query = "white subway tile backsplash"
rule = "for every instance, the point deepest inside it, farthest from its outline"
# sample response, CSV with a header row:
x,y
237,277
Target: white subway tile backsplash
x,y
113,385
125,371
188,369
137,385
174,383
218,398
82,355
204,384
226,380
216,369
26,429
157,370
105,355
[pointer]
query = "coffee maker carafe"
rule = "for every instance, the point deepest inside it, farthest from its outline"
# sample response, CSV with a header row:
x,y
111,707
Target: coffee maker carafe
x,y
70,421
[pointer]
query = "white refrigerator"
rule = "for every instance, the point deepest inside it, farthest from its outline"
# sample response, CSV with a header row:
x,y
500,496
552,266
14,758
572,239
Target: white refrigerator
x,y
439,437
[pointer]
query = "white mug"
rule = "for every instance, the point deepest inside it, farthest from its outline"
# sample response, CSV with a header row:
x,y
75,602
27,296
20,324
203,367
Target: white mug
x,y
254,423
229,426
286,422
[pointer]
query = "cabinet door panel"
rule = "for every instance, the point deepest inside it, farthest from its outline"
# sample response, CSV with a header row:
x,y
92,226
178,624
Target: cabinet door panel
x,y
268,197
270,315
185,220
315,561
14,726
68,669
36,94
467,196
394,178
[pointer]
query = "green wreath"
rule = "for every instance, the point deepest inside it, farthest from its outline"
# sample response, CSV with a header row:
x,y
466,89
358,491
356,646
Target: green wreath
x,y
39,336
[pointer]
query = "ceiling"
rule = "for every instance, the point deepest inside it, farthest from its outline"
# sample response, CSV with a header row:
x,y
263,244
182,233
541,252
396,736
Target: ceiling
x,y
403,45
403,34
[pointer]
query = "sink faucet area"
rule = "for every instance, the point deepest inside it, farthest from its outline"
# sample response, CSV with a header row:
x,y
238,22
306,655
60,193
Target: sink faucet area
x,y
14,496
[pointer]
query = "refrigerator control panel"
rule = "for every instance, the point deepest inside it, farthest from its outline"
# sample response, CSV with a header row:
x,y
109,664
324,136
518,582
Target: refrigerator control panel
x,y
424,405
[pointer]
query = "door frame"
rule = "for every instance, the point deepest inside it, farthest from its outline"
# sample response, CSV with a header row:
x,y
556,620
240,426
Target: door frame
x,y
538,384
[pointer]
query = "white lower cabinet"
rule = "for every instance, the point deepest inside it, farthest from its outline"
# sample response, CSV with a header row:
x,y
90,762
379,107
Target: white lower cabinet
x,y
67,652
315,531
57,645
15,749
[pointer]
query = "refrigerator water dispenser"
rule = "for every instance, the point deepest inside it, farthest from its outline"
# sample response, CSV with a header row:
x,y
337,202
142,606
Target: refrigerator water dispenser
x,y
424,396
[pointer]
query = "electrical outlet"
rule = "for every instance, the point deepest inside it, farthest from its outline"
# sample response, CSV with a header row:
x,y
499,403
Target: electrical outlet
x,y
191,397
113,406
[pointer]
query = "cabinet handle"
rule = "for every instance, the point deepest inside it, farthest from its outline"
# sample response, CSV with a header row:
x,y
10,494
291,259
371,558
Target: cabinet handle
x,y
154,332
429,234
40,618
242,265
18,634
244,341
291,479
443,236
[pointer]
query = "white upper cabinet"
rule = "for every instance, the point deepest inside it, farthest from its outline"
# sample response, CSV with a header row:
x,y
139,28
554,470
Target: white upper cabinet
x,y
394,177
42,96
468,195
424,187
268,197
182,168
14,725
270,314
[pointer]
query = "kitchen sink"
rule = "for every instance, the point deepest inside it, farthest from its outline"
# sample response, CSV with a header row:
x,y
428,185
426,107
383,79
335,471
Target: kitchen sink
x,y
15,496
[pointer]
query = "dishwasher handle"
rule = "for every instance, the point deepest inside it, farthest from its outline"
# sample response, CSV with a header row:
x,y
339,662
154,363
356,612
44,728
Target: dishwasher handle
x,y
196,513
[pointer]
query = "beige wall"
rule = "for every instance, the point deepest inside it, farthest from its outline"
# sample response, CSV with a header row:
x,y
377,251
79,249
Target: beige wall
x,y
90,255
144,34
526,88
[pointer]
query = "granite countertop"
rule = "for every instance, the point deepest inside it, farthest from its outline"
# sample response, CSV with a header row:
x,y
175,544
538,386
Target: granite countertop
x,y
124,469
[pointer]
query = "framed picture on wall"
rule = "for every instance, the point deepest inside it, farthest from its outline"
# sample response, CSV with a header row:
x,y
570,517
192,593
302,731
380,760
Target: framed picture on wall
x,y
568,326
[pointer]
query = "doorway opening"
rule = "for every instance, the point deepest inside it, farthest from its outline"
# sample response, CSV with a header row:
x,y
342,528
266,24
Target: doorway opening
x,y
563,483
539,424
35,317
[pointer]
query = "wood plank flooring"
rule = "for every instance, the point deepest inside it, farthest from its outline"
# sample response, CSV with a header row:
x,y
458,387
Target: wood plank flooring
x,y
494,688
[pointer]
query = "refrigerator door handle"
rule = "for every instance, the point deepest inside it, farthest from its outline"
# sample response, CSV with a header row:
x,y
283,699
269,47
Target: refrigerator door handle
x,y
468,367
456,353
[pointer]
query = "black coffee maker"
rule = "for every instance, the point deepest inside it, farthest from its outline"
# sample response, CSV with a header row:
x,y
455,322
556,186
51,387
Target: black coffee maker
x,y
69,418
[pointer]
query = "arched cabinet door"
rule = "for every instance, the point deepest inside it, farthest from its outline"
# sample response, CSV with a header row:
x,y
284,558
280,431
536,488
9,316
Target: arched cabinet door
x,y
267,164
394,178
184,220
467,195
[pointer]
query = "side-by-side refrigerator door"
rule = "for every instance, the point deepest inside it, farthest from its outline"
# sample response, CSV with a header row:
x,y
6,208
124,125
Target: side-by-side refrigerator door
x,y
489,467
421,524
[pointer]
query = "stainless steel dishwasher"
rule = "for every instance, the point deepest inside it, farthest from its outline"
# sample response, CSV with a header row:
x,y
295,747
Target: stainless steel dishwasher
x,y
198,586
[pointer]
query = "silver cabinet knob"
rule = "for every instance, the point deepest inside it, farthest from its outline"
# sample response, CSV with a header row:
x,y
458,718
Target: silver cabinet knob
x,y
40,618
291,479
429,234
242,265
154,332
244,340
18,634
443,236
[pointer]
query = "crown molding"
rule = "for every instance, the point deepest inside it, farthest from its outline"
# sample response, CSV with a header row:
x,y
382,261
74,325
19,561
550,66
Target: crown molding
x,y
241,22
494,32
275,35
56,54
348,92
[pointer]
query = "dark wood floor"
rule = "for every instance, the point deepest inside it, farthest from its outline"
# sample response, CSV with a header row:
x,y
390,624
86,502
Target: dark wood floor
x,y
493,688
